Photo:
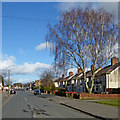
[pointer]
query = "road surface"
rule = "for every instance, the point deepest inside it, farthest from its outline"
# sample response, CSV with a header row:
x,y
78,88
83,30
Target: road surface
x,y
27,105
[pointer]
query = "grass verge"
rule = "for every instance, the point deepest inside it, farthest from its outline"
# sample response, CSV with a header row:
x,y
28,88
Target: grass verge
x,y
111,103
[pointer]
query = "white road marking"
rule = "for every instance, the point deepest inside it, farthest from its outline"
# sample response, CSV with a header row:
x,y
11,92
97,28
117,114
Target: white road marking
x,y
30,107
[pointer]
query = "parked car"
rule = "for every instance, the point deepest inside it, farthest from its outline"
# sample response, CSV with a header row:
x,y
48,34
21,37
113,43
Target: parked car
x,y
27,88
22,89
37,92
12,91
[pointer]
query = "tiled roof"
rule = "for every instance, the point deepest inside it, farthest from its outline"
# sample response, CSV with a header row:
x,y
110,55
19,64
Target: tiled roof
x,y
108,69
105,70
75,76
60,79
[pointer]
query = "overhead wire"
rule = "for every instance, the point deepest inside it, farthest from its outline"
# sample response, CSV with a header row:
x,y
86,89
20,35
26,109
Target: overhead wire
x,y
29,18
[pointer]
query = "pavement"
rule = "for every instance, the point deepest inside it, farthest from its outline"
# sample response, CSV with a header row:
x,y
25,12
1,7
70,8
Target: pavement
x,y
88,107
5,94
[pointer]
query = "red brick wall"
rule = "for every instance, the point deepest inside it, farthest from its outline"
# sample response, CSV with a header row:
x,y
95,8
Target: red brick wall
x,y
94,96
114,60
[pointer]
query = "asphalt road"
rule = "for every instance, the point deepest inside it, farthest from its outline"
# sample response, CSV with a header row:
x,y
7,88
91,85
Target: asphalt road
x,y
26,105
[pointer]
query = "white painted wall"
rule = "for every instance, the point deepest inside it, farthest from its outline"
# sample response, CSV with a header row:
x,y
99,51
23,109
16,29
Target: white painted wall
x,y
56,84
113,79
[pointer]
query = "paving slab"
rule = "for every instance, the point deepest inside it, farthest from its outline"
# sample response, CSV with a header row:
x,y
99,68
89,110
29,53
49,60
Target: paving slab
x,y
101,110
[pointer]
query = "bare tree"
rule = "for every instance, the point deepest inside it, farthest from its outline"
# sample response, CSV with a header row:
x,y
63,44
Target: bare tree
x,y
3,74
83,37
47,79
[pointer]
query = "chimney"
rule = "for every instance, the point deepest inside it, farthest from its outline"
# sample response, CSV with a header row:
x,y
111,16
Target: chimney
x,y
114,60
79,71
70,73
92,67
63,75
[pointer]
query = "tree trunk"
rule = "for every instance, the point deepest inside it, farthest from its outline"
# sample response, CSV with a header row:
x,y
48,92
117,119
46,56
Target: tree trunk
x,y
85,80
92,83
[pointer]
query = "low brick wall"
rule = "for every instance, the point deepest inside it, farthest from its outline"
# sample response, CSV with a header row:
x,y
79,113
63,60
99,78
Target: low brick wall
x,y
84,95
97,96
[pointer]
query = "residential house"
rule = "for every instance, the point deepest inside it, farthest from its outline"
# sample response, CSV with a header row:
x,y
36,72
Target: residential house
x,y
32,85
105,79
63,82
68,82
74,83
108,77
38,82
59,82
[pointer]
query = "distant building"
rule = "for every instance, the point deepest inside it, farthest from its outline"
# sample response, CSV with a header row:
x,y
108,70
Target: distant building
x,y
1,82
38,82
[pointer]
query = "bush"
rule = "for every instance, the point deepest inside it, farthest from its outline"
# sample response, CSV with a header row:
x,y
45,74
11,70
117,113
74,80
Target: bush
x,y
53,88
116,91
36,87
47,88
76,96
61,90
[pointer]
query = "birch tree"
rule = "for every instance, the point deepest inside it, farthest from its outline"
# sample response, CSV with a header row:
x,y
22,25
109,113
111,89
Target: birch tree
x,y
83,37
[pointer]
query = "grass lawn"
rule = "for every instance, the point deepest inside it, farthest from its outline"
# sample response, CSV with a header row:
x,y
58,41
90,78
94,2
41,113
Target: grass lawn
x,y
111,103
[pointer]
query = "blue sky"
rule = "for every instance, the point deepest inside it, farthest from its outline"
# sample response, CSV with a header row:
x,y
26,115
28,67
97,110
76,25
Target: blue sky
x,y
21,36
24,27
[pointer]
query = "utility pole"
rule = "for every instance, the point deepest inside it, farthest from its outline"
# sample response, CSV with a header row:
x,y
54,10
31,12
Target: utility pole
x,y
39,84
8,78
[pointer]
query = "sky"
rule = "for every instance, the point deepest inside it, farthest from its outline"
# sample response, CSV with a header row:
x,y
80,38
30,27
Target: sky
x,y
25,51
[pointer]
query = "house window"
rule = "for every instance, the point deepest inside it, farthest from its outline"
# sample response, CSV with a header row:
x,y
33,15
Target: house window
x,y
68,84
96,88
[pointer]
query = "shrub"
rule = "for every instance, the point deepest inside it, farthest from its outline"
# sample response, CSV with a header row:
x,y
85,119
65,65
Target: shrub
x,y
36,87
47,88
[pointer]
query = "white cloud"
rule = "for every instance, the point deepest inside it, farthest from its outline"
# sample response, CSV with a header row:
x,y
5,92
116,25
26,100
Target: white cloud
x,y
8,63
30,68
108,6
22,80
44,46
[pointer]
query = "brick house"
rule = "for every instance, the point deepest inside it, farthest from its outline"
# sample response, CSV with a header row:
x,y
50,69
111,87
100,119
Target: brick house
x,y
38,82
